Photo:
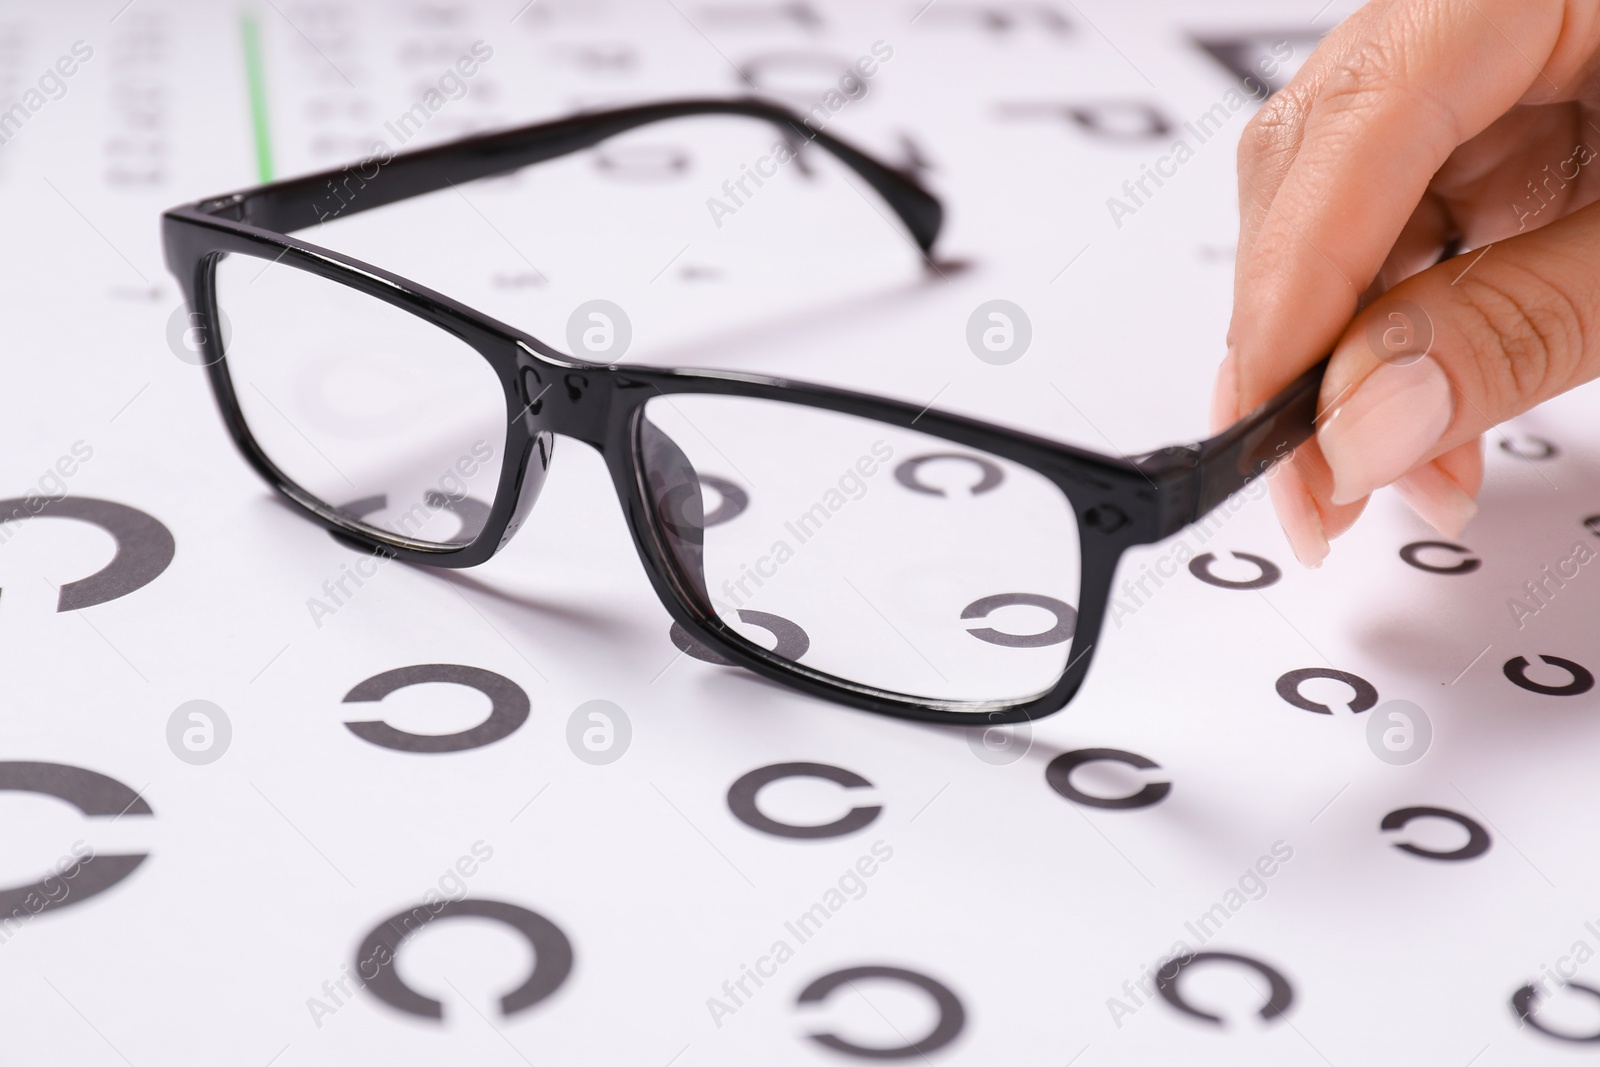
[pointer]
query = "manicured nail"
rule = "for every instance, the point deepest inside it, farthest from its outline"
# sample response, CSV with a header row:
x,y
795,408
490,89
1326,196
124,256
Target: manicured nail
x,y
1298,514
1436,497
1382,429
1225,395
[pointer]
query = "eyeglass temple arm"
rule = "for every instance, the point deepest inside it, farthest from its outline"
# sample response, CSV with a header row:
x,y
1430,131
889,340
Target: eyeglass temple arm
x,y
1210,472
296,203
1200,477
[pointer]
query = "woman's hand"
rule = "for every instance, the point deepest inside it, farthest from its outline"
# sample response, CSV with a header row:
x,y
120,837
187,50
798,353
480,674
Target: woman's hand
x,y
1414,123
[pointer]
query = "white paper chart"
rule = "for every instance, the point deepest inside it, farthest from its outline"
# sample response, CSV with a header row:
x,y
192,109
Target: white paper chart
x,y
1333,817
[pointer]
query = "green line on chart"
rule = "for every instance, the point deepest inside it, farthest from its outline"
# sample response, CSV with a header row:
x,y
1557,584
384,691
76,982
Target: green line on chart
x,y
255,76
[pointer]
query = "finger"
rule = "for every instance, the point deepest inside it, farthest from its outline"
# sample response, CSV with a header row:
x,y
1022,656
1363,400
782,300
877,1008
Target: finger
x,y
1424,79
1271,140
1495,335
1301,488
1225,395
1308,525
1419,244
1528,169
1297,513
1442,492
1464,465
1266,151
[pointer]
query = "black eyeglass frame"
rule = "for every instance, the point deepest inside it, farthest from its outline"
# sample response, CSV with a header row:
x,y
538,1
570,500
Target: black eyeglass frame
x,y
1118,502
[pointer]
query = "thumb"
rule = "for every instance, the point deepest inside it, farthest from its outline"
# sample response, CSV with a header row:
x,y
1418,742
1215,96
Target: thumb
x,y
1452,351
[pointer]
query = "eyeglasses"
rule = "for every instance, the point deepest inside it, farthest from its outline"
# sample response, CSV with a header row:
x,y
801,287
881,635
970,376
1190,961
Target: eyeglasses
x,y
853,547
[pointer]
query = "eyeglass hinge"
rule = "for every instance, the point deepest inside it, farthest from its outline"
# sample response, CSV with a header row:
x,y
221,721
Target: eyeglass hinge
x,y
227,207
1172,470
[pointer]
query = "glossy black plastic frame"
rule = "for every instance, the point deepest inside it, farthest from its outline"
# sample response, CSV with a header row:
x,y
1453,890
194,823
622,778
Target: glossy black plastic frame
x,y
1119,502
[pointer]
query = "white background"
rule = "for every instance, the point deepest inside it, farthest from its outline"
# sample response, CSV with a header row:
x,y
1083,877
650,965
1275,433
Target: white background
x,y
268,866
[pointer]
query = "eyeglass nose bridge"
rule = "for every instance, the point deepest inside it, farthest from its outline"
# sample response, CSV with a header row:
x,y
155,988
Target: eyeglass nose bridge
x,y
554,400
570,401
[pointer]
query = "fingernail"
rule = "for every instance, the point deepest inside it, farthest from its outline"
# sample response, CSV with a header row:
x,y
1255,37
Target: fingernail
x,y
1225,395
1382,429
1298,514
1438,499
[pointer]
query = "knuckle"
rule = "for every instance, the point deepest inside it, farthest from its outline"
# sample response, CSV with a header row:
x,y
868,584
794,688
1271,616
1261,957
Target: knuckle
x,y
1274,130
1368,66
1378,74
